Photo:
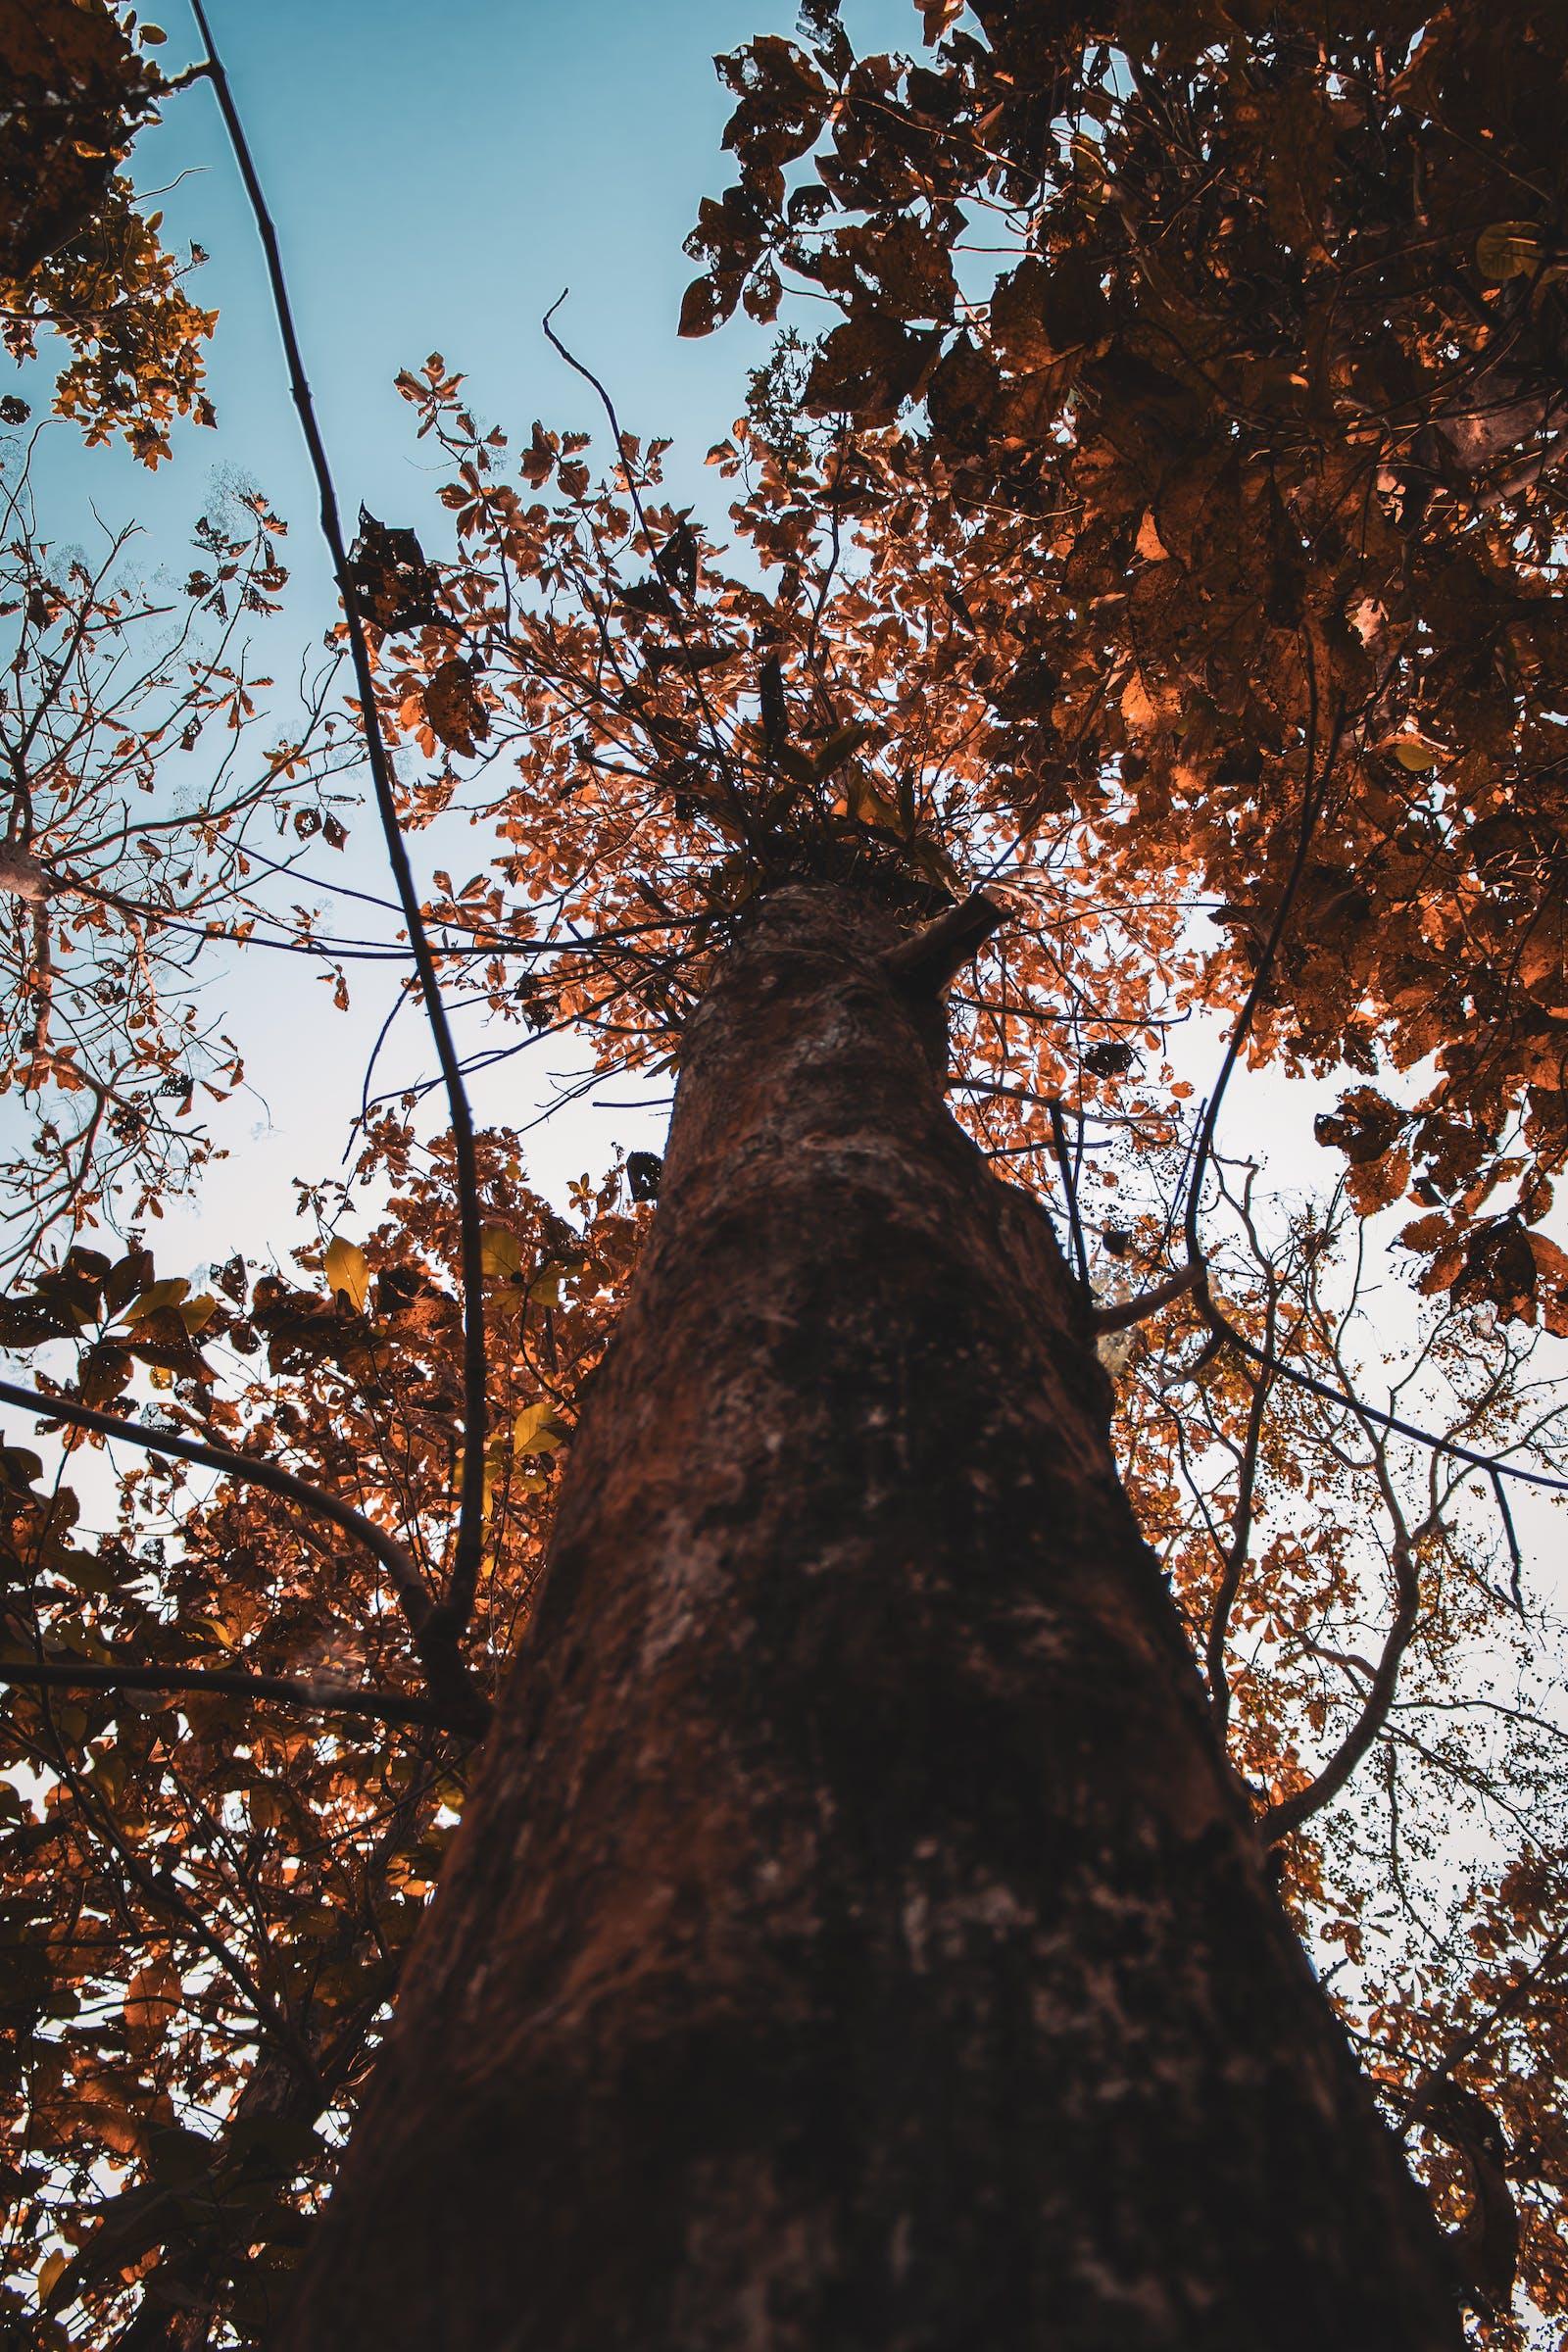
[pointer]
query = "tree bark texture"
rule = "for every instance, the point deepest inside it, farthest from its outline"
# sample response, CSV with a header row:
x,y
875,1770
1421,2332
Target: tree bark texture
x,y
856,1941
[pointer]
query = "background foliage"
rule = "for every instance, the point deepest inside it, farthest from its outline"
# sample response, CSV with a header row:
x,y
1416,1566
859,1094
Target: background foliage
x,y
1164,540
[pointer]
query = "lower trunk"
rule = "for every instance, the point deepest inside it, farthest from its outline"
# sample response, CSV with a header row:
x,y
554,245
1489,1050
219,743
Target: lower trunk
x,y
856,1941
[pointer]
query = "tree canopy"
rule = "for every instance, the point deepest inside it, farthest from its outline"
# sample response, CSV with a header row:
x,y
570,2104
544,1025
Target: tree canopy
x,y
1162,551
1243,330
79,255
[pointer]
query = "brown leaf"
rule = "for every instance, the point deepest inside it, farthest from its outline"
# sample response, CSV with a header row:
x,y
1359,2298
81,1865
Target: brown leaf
x,y
391,583
453,706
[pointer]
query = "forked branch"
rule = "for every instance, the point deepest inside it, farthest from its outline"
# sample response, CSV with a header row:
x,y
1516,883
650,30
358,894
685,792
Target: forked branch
x,y
929,959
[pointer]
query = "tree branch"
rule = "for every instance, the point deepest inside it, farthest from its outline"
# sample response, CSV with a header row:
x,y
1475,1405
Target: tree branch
x,y
450,1684
335,1699
1230,1583
929,959
1283,1819
458,1606
1122,1313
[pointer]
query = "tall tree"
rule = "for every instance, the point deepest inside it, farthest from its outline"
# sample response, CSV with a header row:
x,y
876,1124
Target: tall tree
x,y
858,1933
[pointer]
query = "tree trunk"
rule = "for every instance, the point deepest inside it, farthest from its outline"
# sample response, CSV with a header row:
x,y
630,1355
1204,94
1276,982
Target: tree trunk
x,y
856,1941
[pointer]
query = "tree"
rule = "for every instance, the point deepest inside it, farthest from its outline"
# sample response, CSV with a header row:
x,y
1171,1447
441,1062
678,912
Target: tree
x,y
858,1933
78,254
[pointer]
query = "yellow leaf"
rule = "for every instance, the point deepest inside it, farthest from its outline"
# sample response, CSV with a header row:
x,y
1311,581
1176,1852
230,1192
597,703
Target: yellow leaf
x,y
50,2272
194,1312
795,764
1416,751
499,1253
539,1429
347,1271
545,1287
836,748
867,805
157,1295
1508,249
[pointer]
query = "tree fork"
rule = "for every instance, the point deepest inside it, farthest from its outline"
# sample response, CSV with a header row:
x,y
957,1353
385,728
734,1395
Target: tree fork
x,y
856,1941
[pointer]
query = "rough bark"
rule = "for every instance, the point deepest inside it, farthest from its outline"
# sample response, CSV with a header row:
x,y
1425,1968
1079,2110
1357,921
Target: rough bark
x,y
856,1941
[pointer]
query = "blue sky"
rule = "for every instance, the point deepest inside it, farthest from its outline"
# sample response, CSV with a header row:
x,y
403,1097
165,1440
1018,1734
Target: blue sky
x,y
437,176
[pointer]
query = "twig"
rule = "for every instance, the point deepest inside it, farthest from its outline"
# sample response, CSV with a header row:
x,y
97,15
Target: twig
x,y
1281,1820
737,805
1312,789
1515,1557
1235,1561
1058,1138
1226,1335
335,1699
458,1606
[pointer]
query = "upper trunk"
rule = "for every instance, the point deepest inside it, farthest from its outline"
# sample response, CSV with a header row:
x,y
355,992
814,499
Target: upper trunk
x,y
856,1941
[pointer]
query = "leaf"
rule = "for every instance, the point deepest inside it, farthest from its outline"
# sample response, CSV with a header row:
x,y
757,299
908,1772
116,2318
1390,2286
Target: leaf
x,y
453,706
348,1274
156,1298
869,366
1508,249
1552,1271
500,1253
545,1288
122,1282
936,15
1148,543
1415,751
153,1999
1542,964
1498,1265
832,752
103,1374
389,579
1364,1126
864,800
704,306
539,1429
